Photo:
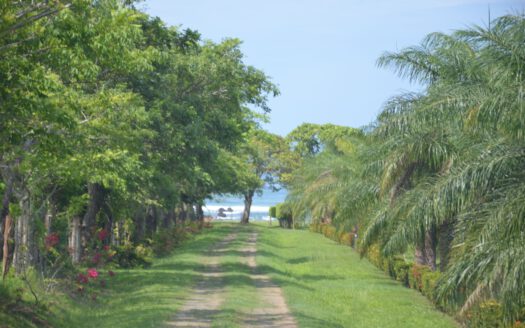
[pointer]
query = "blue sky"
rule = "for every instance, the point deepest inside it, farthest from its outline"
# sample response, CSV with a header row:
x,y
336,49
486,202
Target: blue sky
x,y
322,53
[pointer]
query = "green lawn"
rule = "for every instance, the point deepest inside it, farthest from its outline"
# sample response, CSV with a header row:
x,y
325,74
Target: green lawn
x,y
325,284
328,285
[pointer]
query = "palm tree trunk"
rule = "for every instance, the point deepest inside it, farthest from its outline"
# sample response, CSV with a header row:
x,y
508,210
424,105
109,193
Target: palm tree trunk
x,y
430,248
446,236
419,254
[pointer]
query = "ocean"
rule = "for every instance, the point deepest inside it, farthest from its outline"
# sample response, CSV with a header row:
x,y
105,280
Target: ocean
x,y
259,210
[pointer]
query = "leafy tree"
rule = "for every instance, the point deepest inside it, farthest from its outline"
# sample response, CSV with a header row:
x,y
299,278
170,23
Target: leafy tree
x,y
259,166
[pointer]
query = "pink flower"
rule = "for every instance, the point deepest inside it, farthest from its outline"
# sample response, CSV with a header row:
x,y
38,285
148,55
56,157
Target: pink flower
x,y
92,273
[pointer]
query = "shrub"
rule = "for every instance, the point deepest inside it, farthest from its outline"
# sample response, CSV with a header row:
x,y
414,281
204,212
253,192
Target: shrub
x,y
429,282
487,314
401,269
165,241
314,227
346,239
373,255
518,324
273,212
10,293
387,266
128,256
284,214
330,232
19,307
415,276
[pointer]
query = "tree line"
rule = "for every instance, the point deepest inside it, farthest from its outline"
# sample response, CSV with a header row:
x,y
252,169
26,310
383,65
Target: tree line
x,y
439,177
111,120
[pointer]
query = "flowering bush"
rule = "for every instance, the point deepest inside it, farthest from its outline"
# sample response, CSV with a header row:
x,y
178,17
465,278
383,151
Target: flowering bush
x,y
51,240
87,282
82,278
100,256
166,240
102,235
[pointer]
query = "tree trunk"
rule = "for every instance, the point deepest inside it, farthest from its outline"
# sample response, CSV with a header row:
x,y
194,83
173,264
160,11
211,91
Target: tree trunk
x,y
140,225
248,198
190,212
430,248
182,213
445,238
6,234
48,220
120,232
151,221
96,199
4,209
168,219
109,225
75,240
200,213
403,182
26,251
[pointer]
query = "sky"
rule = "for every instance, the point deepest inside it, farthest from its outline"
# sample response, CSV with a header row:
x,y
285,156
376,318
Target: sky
x,y
322,53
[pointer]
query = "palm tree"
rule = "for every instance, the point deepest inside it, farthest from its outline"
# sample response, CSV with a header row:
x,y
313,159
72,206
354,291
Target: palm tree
x,y
461,144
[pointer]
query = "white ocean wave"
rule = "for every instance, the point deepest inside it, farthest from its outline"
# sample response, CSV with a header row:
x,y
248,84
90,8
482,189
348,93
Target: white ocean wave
x,y
236,209
237,218
257,213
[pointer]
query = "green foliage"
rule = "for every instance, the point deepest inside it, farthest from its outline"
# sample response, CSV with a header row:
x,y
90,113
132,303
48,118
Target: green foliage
x,y
115,122
401,270
415,276
429,282
283,212
347,239
487,314
166,240
18,305
273,211
441,167
127,256
330,232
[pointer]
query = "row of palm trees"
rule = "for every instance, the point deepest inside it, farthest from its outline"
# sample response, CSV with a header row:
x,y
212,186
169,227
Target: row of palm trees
x,y
440,173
